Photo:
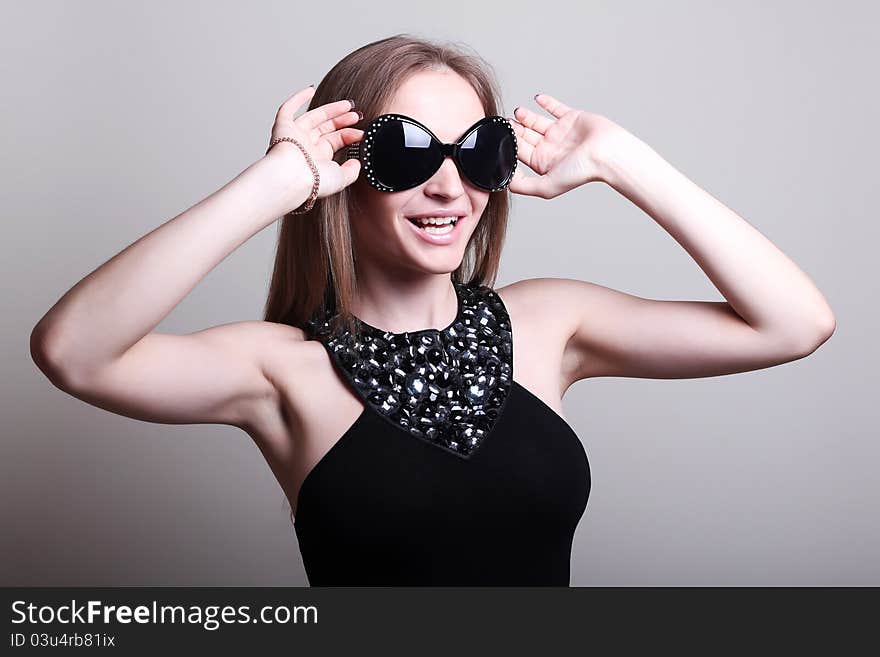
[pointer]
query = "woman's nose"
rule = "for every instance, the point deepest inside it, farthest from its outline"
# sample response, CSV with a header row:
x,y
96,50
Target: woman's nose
x,y
446,181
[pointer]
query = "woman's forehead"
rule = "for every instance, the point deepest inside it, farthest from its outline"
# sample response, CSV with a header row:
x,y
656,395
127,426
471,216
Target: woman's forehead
x,y
446,132
444,103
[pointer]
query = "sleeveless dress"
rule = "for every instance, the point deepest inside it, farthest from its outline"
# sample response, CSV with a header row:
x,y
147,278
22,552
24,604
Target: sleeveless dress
x,y
453,474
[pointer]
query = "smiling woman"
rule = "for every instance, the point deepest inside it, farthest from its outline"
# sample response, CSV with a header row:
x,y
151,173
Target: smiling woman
x,y
443,91
425,454
411,411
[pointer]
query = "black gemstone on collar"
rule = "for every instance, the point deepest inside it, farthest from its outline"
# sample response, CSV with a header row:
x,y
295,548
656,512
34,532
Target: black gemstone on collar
x,y
445,386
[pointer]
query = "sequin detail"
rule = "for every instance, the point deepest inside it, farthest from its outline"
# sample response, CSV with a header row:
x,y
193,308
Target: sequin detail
x,y
446,387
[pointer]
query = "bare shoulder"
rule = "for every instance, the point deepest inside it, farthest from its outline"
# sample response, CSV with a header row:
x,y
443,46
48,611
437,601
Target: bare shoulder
x,y
543,323
542,299
281,352
263,340
530,292
589,318
298,373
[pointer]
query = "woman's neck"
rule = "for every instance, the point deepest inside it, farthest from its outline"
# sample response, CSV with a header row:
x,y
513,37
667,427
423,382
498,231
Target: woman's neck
x,y
400,306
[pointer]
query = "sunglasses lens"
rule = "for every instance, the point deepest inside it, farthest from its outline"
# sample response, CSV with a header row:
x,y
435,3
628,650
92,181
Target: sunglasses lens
x,y
403,155
488,154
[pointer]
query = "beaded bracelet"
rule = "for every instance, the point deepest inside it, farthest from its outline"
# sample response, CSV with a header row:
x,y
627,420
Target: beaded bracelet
x,y
310,201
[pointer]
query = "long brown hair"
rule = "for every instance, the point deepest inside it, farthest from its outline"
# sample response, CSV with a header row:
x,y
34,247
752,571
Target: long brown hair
x,y
314,262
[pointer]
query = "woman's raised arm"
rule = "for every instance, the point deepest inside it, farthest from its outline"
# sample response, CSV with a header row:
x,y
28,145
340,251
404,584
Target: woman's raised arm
x,y
96,341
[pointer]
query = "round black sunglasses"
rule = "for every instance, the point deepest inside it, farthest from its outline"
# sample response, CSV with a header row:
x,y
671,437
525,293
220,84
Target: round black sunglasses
x,y
398,153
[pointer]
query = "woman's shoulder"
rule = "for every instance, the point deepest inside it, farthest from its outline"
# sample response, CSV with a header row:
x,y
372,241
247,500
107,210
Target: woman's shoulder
x,y
545,305
270,333
538,295
280,347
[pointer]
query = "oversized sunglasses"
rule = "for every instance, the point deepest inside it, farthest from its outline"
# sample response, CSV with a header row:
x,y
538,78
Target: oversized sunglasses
x,y
397,153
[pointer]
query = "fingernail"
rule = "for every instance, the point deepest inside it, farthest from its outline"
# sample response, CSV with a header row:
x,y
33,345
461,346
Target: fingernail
x,y
360,115
351,100
536,96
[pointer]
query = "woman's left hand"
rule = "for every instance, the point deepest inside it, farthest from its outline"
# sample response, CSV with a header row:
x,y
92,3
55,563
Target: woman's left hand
x,y
565,152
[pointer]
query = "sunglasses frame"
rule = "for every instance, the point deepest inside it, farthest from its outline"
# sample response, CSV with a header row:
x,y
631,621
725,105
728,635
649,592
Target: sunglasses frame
x,y
362,150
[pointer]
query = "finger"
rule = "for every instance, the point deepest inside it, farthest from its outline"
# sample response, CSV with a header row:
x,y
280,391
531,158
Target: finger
x,y
350,169
532,120
527,134
319,115
525,143
336,122
290,106
344,137
556,107
526,185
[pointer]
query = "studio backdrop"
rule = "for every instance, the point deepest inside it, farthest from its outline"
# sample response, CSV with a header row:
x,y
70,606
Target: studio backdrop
x,y
118,116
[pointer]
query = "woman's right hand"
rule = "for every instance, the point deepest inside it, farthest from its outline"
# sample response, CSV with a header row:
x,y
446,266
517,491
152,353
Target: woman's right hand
x,y
322,132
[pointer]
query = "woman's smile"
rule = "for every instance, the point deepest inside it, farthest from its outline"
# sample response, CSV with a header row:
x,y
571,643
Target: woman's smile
x,y
432,233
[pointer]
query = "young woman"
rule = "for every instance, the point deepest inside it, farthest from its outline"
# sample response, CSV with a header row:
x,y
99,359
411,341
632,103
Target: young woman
x,y
411,411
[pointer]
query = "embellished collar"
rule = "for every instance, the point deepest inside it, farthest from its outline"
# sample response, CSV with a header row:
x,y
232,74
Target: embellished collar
x,y
444,386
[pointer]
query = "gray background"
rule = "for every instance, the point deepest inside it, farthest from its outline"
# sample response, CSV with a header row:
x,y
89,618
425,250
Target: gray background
x,y
118,116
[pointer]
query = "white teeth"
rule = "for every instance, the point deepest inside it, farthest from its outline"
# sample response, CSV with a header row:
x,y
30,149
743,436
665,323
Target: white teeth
x,y
437,221
438,230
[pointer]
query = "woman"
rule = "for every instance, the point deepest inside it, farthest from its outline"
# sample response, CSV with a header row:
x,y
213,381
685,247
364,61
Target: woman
x,y
414,443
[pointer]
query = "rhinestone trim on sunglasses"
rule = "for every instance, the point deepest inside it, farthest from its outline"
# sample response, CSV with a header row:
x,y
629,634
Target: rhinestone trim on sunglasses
x,y
355,151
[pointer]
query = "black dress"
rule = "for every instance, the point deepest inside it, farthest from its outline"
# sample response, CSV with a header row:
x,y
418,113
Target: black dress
x,y
453,474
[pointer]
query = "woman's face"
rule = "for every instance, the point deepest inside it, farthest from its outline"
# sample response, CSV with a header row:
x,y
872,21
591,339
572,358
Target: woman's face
x,y
383,236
